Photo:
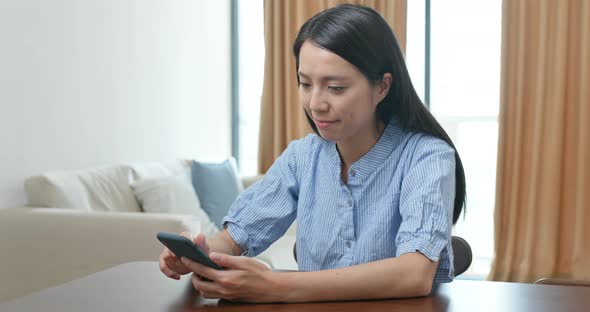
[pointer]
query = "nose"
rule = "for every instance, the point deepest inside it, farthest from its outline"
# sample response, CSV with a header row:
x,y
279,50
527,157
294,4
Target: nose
x,y
317,102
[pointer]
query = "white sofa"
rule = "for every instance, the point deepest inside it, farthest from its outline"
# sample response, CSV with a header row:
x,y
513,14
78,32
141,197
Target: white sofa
x,y
44,244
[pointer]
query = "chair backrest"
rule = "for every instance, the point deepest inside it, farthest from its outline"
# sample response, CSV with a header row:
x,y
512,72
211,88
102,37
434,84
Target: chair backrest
x,y
462,255
461,251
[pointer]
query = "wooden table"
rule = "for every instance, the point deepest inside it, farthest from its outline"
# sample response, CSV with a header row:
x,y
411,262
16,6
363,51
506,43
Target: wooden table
x,y
139,286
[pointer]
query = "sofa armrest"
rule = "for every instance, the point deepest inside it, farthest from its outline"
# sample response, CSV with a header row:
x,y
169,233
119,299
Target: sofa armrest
x,y
42,247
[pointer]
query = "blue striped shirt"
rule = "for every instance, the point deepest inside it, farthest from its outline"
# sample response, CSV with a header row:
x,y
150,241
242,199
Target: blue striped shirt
x,y
398,199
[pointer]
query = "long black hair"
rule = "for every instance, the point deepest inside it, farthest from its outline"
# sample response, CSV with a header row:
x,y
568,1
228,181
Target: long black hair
x,y
362,37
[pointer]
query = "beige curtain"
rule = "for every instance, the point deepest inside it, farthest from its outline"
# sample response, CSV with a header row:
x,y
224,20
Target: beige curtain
x,y
542,217
282,118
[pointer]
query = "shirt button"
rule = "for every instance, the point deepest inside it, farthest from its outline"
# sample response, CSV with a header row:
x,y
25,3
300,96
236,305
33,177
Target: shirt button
x,y
349,203
347,244
352,172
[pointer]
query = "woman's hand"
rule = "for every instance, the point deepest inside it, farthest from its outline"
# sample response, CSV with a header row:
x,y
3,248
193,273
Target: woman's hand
x,y
171,266
243,279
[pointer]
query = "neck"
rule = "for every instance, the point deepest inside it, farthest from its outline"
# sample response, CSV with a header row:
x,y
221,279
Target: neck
x,y
352,149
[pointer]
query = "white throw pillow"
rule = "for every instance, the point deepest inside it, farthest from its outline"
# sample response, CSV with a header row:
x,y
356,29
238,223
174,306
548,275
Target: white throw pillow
x,y
108,188
95,189
178,167
170,194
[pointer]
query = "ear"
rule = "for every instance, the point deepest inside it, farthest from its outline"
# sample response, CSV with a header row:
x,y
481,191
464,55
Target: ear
x,y
382,88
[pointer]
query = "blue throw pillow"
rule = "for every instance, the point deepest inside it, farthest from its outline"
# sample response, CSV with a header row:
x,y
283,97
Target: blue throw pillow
x,y
217,186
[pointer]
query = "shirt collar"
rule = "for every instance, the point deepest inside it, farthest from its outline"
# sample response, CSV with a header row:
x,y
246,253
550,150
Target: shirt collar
x,y
363,167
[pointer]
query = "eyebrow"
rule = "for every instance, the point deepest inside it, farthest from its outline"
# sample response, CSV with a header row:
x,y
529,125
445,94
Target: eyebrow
x,y
325,78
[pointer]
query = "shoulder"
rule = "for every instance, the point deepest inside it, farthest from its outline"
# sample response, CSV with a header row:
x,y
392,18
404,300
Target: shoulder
x,y
421,148
301,152
421,143
307,146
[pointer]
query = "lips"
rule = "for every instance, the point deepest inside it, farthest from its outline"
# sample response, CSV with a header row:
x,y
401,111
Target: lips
x,y
324,124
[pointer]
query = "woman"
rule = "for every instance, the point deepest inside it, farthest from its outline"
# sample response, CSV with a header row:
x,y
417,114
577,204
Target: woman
x,y
375,190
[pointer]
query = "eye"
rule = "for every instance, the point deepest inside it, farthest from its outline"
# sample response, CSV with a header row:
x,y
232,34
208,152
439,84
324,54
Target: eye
x,y
336,89
304,85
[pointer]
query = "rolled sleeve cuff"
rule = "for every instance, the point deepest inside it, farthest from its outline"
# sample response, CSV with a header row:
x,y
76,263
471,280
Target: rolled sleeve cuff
x,y
239,235
430,250
444,275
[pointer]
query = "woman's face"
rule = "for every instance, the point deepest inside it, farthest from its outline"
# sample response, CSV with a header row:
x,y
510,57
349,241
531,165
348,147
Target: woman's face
x,y
337,96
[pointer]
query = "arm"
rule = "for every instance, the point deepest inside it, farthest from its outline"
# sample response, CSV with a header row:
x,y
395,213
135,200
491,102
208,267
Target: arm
x,y
273,199
223,243
264,211
409,275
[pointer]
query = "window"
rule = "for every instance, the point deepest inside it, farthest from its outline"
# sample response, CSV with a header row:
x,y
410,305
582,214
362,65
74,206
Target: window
x,y
250,32
464,87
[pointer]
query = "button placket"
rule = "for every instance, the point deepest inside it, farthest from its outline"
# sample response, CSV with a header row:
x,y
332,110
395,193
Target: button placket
x,y
347,231
349,228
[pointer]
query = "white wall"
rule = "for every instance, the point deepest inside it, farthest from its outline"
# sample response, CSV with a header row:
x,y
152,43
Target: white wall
x,y
91,82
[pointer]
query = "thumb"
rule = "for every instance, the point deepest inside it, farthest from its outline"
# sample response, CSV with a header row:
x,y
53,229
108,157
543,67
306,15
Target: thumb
x,y
201,241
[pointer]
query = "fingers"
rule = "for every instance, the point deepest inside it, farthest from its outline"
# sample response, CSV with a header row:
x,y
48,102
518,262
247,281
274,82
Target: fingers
x,y
177,266
168,272
164,268
169,262
200,269
173,267
201,241
208,289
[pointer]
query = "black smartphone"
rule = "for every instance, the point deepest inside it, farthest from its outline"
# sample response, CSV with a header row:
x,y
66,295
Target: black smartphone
x,y
184,247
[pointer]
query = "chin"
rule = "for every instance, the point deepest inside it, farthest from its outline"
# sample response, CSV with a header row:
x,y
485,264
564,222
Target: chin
x,y
329,136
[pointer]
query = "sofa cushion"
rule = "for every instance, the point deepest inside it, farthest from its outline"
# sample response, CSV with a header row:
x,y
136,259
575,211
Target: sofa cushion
x,y
179,167
56,190
217,186
97,189
170,194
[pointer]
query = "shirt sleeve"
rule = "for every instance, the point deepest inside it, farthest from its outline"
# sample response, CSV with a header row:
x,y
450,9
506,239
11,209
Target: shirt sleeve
x,y
426,199
264,211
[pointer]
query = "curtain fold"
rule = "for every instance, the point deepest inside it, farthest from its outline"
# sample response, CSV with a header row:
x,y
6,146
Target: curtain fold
x,y
543,176
282,118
